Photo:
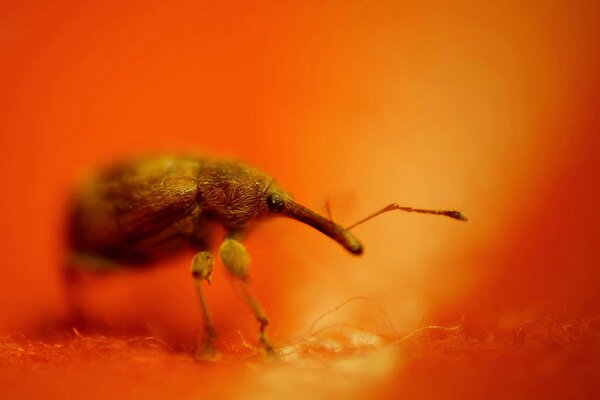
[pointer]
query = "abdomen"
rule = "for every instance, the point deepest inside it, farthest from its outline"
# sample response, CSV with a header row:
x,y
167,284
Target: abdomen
x,y
136,210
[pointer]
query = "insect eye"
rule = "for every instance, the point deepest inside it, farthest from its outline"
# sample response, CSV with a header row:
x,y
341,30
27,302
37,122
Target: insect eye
x,y
275,202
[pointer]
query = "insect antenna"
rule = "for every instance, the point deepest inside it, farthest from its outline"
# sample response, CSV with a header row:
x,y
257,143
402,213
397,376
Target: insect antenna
x,y
395,206
328,209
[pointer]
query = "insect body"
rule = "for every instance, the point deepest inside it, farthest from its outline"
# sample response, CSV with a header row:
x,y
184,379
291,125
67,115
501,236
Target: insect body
x,y
138,212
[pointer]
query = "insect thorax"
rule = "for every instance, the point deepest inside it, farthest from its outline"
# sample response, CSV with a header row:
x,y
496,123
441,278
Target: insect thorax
x,y
233,192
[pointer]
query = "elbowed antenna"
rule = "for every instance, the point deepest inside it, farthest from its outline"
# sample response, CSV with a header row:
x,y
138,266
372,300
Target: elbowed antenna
x,y
322,224
395,206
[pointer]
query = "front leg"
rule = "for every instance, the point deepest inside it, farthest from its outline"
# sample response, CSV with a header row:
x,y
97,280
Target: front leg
x,y
76,267
202,267
236,259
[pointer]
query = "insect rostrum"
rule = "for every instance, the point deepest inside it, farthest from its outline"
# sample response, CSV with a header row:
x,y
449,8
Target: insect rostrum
x,y
139,211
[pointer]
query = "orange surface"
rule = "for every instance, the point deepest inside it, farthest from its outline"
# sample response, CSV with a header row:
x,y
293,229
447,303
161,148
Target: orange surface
x,y
487,108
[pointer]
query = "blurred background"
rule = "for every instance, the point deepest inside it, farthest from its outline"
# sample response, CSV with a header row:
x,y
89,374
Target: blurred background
x,y
491,109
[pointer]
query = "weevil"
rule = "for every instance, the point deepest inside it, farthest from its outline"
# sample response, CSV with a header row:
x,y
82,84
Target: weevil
x,y
137,212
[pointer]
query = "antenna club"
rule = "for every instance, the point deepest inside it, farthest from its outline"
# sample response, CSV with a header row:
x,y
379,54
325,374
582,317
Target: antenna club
x,y
457,215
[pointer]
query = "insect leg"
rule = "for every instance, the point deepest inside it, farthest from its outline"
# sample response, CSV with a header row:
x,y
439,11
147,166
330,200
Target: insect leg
x,y
71,282
236,259
202,267
76,267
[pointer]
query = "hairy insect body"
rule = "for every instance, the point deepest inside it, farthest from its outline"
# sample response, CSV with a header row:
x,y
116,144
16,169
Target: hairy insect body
x,y
234,193
134,212
140,211
137,212
144,210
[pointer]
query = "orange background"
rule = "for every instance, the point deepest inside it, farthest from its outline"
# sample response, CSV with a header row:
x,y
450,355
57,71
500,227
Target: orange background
x,y
487,108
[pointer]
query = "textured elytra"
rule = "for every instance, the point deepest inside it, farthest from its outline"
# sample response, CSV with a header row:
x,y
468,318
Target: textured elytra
x,y
147,208
119,208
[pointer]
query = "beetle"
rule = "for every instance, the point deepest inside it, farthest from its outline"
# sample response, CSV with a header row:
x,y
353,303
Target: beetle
x,y
137,212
